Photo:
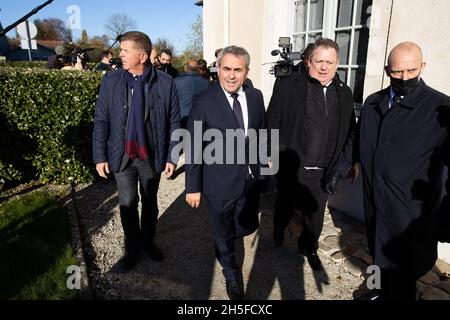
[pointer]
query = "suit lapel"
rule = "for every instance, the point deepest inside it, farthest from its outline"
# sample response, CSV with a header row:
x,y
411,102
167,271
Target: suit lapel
x,y
250,100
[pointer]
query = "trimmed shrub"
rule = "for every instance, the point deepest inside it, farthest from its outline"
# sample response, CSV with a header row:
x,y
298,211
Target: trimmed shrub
x,y
48,116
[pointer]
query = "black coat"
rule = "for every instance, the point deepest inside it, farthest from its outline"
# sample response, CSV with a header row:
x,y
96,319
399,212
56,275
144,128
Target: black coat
x,y
287,112
403,153
212,109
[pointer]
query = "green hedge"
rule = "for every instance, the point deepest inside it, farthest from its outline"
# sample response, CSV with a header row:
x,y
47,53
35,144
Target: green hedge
x,y
47,117
24,64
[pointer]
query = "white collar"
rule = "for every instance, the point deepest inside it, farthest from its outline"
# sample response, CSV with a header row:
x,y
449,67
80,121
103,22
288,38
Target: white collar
x,y
240,92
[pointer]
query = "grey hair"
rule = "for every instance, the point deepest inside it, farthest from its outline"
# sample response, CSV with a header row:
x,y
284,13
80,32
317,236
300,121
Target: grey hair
x,y
234,50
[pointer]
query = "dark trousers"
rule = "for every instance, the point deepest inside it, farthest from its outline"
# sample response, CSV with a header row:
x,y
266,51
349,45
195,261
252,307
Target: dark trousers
x,y
307,196
232,219
127,183
397,285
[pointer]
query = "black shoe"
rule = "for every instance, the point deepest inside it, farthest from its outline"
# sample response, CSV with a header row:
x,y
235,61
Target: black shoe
x,y
314,261
154,253
127,262
235,290
278,237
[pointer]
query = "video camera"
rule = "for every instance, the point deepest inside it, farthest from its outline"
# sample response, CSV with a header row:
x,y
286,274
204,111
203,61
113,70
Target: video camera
x,y
284,67
116,62
213,73
81,53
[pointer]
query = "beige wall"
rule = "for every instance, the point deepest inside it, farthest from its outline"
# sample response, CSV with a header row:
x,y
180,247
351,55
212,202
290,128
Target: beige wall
x,y
247,30
213,28
425,22
235,22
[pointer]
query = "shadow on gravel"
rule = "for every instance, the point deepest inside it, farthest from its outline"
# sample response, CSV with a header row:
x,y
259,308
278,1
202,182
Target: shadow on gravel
x,y
187,272
97,204
275,264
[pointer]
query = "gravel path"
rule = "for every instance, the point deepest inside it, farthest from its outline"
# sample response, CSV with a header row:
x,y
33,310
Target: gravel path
x,y
190,270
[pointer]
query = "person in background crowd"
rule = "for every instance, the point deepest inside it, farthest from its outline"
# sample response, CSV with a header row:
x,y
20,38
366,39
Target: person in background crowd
x,y
189,84
165,59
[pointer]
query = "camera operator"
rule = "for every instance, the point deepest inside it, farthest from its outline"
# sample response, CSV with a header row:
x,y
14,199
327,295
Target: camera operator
x,y
56,61
313,111
105,62
212,69
75,62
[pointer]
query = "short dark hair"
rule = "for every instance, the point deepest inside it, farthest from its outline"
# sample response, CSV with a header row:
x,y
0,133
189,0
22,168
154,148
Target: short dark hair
x,y
326,43
140,40
202,64
105,53
166,51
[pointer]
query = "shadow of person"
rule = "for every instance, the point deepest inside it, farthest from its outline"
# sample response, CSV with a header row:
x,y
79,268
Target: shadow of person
x,y
299,190
185,236
16,149
94,206
274,266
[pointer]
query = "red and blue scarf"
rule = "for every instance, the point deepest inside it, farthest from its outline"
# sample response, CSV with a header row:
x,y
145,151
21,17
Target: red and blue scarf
x,y
135,142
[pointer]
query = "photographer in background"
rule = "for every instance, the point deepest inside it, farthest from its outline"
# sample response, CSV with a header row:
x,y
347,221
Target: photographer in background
x,y
313,111
105,61
75,62
202,66
212,69
56,61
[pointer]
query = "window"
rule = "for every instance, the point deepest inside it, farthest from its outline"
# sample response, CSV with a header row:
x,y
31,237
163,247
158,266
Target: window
x,y
346,22
308,25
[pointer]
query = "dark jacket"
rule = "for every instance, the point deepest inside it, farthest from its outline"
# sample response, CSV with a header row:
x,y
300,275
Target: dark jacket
x,y
188,85
403,153
212,110
162,116
287,112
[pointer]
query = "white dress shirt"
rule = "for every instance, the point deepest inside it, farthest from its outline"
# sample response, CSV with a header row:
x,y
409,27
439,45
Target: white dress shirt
x,y
243,101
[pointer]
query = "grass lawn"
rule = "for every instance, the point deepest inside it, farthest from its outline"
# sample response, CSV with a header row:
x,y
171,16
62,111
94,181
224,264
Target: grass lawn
x,y
35,248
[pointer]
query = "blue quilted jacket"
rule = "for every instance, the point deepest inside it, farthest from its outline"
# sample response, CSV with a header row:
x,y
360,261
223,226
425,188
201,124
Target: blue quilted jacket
x,y
111,115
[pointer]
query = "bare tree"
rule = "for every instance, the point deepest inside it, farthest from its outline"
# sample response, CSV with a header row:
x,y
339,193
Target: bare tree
x,y
163,43
118,24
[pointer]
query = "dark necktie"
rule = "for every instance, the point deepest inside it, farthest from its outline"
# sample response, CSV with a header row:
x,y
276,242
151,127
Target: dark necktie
x,y
237,110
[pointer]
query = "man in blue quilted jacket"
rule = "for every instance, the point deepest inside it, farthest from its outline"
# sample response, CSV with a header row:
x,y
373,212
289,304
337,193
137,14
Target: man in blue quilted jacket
x,y
137,111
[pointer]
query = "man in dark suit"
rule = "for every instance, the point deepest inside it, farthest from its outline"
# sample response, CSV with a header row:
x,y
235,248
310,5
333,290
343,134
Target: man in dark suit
x,y
404,143
228,182
137,111
313,111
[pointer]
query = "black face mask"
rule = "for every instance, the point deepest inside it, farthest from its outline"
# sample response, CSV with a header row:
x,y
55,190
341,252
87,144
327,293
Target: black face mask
x,y
404,87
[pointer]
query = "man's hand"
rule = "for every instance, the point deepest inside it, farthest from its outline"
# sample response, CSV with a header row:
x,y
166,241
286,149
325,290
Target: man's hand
x,y
102,169
170,169
193,199
354,172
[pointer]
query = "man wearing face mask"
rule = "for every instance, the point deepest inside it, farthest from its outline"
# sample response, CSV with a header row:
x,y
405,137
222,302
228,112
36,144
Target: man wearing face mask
x,y
165,59
404,146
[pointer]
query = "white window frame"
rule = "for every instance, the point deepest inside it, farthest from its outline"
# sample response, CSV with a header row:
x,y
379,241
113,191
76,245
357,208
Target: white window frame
x,y
329,30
